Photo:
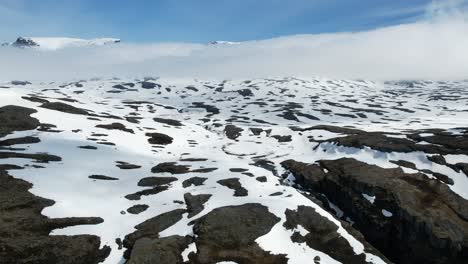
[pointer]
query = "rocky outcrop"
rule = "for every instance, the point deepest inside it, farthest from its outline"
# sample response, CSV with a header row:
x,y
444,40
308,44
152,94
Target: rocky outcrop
x,y
322,235
408,217
16,118
229,234
166,250
24,231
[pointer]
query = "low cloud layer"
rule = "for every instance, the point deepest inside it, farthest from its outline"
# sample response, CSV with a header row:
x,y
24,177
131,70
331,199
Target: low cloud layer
x,y
434,48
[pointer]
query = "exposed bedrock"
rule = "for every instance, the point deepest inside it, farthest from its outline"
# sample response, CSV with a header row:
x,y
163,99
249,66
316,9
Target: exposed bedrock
x,y
408,217
224,234
439,141
24,231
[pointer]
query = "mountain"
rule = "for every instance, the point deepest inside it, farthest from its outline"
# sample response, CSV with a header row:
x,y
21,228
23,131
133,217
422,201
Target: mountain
x,y
221,42
283,170
59,43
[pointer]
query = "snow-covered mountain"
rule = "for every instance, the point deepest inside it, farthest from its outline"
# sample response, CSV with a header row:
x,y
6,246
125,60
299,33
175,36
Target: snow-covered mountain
x,y
222,42
53,43
268,171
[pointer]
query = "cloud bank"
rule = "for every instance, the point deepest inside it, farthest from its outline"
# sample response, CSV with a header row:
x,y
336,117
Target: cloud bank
x,y
434,48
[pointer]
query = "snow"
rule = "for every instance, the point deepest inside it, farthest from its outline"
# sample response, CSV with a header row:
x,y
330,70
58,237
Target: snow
x,y
369,198
75,194
386,213
51,43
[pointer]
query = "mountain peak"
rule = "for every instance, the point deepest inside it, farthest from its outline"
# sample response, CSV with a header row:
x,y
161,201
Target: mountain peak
x,y
55,43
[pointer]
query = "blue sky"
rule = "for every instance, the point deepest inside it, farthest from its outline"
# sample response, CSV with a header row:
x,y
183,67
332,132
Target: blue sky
x,y
199,20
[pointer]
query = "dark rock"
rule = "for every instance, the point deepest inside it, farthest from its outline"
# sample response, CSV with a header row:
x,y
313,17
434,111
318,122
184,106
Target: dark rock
x,y
170,167
258,131
16,118
261,179
116,126
195,203
167,250
152,191
322,236
39,157
65,108
149,85
429,222
16,82
232,132
238,170
282,138
229,234
245,92
102,177
25,231
159,138
195,181
234,184
137,209
126,166
404,163
20,140
35,99
155,181
87,147
266,164
151,228
170,122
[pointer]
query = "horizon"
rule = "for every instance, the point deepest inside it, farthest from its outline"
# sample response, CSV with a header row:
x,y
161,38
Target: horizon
x,y
195,22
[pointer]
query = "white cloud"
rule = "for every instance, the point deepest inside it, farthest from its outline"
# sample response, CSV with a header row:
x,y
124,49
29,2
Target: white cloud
x,y
436,48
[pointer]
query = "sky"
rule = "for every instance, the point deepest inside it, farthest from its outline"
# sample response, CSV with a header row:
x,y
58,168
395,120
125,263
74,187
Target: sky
x,y
366,39
200,21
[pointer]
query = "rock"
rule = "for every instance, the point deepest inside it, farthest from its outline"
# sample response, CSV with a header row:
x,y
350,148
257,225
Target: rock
x,y
170,167
137,209
229,234
102,177
39,157
16,118
24,43
127,166
266,164
149,85
151,228
116,126
166,250
232,132
322,235
245,92
195,181
155,190
404,163
88,147
65,108
155,181
258,131
429,222
170,122
20,140
261,179
159,139
282,139
463,167
234,184
16,82
25,231
195,203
